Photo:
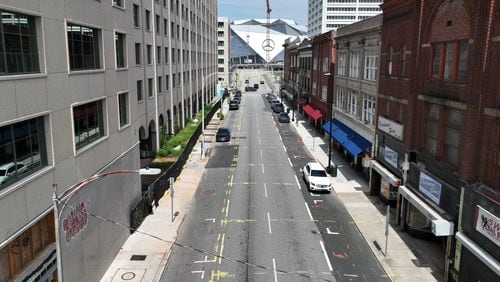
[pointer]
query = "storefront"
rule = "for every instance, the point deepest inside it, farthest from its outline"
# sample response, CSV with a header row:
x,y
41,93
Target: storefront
x,y
314,115
352,145
384,183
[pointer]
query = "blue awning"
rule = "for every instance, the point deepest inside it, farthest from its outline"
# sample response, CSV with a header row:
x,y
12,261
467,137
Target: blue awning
x,y
348,138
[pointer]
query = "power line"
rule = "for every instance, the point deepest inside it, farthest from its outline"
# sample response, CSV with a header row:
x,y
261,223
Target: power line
x,y
191,248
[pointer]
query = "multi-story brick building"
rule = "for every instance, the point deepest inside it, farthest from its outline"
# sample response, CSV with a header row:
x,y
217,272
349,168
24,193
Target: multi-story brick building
x,y
356,88
438,127
85,87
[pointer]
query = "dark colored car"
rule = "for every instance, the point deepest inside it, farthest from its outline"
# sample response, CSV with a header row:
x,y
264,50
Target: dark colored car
x,y
256,86
271,97
274,102
278,108
250,89
237,94
262,82
247,81
233,105
223,135
283,117
236,100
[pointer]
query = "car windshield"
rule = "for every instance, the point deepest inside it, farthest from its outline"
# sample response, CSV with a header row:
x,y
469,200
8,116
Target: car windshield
x,y
2,172
223,131
318,173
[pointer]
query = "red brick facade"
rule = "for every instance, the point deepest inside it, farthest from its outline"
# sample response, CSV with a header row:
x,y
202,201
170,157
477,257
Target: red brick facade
x,y
323,46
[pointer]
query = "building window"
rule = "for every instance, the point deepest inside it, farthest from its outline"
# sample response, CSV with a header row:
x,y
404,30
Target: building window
x,y
354,64
315,63
449,60
157,24
123,109
173,81
220,61
83,47
150,87
148,54
22,150
341,64
371,65
340,98
118,3
18,44
166,55
452,136
147,19
139,90
325,65
403,61
220,52
137,17
159,84
167,83
391,59
120,43
88,122
352,102
369,110
158,54
432,129
165,27
324,92
138,54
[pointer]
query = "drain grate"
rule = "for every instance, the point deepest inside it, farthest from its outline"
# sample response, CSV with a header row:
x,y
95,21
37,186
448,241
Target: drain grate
x,y
138,257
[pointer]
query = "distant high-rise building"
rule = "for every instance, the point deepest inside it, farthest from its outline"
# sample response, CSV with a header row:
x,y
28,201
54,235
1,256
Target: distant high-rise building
x,y
329,15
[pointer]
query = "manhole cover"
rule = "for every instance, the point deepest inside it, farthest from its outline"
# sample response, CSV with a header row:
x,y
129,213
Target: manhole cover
x,y
128,276
138,257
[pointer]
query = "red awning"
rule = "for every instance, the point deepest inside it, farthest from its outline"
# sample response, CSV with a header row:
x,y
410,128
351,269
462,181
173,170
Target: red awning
x,y
316,115
308,109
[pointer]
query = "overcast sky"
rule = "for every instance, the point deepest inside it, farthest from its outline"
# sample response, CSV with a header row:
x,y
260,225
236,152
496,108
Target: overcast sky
x,y
245,9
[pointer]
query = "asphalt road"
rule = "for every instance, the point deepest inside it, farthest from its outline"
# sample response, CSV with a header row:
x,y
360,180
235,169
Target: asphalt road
x,y
252,217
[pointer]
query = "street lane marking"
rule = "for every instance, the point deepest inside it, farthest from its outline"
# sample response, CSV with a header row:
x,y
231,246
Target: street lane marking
x,y
221,248
203,261
231,182
260,141
281,139
326,255
261,153
317,201
314,195
297,180
227,207
200,271
275,273
290,162
210,219
284,148
263,169
309,212
269,223
330,232
265,189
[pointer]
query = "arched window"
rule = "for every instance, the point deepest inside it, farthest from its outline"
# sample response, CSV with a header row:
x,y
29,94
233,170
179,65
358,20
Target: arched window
x,y
391,58
403,61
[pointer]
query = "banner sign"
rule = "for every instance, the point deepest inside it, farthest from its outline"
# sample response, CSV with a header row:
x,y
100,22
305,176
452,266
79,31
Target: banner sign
x,y
487,224
430,187
391,156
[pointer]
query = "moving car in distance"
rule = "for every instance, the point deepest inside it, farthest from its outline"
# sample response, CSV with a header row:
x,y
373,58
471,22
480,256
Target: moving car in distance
x,y
250,89
283,117
223,135
256,86
262,82
233,105
316,178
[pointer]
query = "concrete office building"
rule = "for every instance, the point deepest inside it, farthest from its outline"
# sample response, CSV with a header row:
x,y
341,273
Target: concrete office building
x,y
85,86
223,50
326,15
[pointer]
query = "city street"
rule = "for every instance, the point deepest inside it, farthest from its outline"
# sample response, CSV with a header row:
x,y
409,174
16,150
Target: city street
x,y
252,218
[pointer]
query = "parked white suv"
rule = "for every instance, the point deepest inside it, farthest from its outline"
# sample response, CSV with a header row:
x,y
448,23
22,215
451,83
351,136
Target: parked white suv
x,y
316,177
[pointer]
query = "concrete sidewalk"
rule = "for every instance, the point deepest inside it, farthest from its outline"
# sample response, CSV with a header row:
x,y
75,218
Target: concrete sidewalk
x,y
400,263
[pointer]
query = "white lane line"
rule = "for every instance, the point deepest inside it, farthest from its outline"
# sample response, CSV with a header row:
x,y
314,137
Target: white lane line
x,y
210,219
261,153
297,180
281,139
269,223
330,232
231,182
309,212
326,255
260,142
227,207
221,248
265,189
314,195
284,148
263,169
204,261
290,162
317,201
200,271
275,273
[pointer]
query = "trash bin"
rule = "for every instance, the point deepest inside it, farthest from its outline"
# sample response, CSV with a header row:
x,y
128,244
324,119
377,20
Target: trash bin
x,y
332,170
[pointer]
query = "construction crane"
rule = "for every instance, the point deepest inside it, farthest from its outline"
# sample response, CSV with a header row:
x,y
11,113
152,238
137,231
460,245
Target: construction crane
x,y
268,33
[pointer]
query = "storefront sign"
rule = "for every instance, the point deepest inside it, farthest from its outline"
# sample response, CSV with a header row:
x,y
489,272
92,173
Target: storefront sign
x,y
76,220
390,127
384,188
430,187
487,224
391,156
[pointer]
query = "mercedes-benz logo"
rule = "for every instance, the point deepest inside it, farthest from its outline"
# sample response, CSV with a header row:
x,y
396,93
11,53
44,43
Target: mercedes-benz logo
x,y
268,45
